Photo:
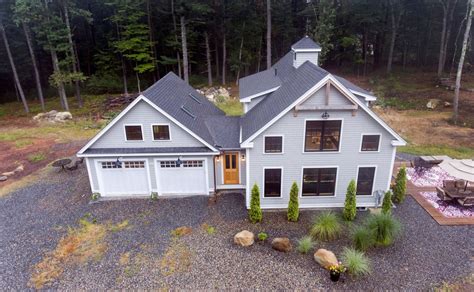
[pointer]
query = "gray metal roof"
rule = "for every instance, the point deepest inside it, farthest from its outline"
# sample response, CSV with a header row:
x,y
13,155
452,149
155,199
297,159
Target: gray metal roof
x,y
172,95
225,131
306,43
258,82
147,150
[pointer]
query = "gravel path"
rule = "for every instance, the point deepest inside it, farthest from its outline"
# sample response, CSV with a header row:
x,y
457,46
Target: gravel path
x,y
33,219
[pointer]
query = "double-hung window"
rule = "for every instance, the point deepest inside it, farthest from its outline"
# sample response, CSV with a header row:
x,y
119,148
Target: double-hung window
x,y
370,143
161,132
272,183
133,133
365,180
273,144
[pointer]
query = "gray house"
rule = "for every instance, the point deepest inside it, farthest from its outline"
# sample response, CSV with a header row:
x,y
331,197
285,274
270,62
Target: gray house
x,y
301,124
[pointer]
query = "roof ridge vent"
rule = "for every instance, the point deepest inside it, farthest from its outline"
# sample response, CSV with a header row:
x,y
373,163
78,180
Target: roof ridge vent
x,y
195,98
188,112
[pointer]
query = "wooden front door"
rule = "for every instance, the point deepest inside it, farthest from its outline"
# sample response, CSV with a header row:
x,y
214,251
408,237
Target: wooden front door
x,y
231,168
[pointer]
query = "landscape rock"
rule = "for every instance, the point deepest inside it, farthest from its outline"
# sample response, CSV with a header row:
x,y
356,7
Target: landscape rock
x,y
20,168
244,238
447,104
212,93
282,244
3,178
8,173
53,116
62,116
325,258
433,103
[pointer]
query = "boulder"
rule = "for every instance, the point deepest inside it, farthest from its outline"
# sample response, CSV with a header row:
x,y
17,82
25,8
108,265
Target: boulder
x,y
433,103
19,168
244,238
62,116
282,244
3,178
223,92
8,173
325,258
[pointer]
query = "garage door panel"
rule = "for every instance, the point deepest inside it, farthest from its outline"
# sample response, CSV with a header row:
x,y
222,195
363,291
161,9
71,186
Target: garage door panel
x,y
188,178
126,178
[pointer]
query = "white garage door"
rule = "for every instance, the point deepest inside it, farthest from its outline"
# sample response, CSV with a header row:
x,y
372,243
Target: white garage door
x,y
189,178
127,178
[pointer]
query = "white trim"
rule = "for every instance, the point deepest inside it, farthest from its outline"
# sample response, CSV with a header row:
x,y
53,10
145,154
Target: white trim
x,y
231,187
311,91
394,151
305,50
373,182
128,108
148,154
321,119
366,96
318,206
89,174
160,124
318,167
263,182
247,178
282,145
250,97
125,133
245,107
370,134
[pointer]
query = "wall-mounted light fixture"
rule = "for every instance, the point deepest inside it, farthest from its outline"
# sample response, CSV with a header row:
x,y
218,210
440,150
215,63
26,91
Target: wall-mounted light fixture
x,y
218,158
242,157
325,115
118,163
179,162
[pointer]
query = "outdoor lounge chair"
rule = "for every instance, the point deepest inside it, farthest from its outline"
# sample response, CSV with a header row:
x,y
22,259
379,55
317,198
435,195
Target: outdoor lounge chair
x,y
466,202
442,195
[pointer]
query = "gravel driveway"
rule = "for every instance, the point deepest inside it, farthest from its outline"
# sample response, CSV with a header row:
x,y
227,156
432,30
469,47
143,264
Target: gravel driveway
x,y
33,219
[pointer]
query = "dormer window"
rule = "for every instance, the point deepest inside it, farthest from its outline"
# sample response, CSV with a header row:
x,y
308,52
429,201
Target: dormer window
x,y
133,133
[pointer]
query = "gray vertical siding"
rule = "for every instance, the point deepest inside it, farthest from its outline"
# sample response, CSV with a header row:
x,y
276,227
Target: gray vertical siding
x,y
347,160
145,115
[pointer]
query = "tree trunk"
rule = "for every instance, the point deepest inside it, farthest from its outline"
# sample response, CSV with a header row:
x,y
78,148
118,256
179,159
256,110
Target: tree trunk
x,y
448,10
395,20
224,59
12,64
269,34
138,82
61,90
175,27
39,89
461,63
185,49
259,54
208,59
240,55
73,54
124,76
217,59
154,54
448,33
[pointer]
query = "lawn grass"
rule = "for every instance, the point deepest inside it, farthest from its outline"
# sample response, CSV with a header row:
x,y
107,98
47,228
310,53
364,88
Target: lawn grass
x,y
231,107
36,157
453,152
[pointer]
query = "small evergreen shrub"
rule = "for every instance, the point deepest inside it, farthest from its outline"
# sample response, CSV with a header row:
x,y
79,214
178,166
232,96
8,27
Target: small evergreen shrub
x,y
154,196
400,187
326,227
262,236
356,262
255,213
293,205
363,238
305,244
349,212
385,228
387,203
95,196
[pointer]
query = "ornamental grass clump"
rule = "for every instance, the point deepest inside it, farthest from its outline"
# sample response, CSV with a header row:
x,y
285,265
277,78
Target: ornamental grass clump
x,y
400,187
293,205
349,212
305,244
255,212
326,227
387,203
363,238
356,262
385,228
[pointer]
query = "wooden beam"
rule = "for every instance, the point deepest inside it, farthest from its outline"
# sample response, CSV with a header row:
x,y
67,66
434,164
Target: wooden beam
x,y
328,90
326,107
295,112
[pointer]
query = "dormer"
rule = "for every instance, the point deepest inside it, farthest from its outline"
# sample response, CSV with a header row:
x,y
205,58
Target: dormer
x,y
305,50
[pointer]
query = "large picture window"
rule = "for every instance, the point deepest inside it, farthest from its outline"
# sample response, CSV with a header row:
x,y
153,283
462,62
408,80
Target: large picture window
x,y
273,144
272,183
322,136
370,143
133,133
161,132
365,181
319,182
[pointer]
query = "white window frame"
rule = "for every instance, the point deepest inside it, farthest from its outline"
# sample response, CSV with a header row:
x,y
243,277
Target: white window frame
x,y
263,182
373,183
282,145
370,134
153,136
319,167
321,119
125,133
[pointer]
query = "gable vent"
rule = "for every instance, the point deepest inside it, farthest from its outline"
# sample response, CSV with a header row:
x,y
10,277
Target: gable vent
x,y
188,112
195,98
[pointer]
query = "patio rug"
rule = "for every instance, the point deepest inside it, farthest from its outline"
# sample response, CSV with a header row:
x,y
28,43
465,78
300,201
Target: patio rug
x,y
448,209
432,177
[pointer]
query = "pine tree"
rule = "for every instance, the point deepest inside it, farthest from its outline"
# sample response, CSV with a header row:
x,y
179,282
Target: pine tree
x,y
349,212
387,203
255,213
293,205
400,187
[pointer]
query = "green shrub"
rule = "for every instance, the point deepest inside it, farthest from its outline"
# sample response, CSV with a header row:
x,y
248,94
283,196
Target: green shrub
x,y
356,262
293,206
36,157
385,228
349,212
400,187
326,227
363,238
255,213
305,244
104,83
95,197
154,196
262,236
387,203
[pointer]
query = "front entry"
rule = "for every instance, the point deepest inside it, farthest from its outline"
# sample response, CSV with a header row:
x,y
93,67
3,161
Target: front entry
x,y
231,168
